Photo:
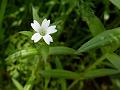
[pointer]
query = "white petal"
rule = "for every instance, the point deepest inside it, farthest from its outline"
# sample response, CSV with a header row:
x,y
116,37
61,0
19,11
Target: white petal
x,y
36,37
47,38
45,23
51,29
35,25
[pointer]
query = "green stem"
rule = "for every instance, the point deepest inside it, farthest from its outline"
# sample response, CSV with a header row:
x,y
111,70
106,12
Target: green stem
x,y
47,80
96,63
30,82
73,84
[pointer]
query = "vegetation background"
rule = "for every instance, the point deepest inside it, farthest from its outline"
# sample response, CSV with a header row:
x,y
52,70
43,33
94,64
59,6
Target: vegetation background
x,y
85,54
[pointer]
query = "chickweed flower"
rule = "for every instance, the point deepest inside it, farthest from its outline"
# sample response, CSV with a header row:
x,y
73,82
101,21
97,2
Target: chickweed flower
x,y
43,31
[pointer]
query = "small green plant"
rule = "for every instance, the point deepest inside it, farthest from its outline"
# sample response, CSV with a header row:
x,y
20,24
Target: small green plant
x,y
77,50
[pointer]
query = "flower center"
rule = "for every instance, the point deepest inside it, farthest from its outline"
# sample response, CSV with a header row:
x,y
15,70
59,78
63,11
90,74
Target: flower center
x,y
42,32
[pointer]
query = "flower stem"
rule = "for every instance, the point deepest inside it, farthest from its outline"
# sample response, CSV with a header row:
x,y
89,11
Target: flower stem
x,y
96,63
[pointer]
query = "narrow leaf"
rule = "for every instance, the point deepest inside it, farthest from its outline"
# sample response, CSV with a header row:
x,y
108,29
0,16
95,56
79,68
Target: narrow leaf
x,y
114,59
116,3
22,53
17,84
108,37
52,51
35,14
61,50
73,75
60,74
27,33
2,10
99,73
94,24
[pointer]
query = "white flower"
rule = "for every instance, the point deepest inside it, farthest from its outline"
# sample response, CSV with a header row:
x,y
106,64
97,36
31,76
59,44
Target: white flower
x,y
43,31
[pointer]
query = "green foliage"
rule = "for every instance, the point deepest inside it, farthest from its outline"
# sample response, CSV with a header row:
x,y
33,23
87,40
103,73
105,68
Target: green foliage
x,y
17,84
100,72
26,33
84,51
94,24
116,3
2,11
103,39
59,74
114,59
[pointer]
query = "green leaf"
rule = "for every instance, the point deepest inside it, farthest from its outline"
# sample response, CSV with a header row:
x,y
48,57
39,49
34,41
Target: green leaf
x,y
47,80
17,84
108,37
116,3
52,51
99,73
114,59
61,50
26,33
94,23
22,53
35,14
29,83
64,74
60,74
58,63
2,10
